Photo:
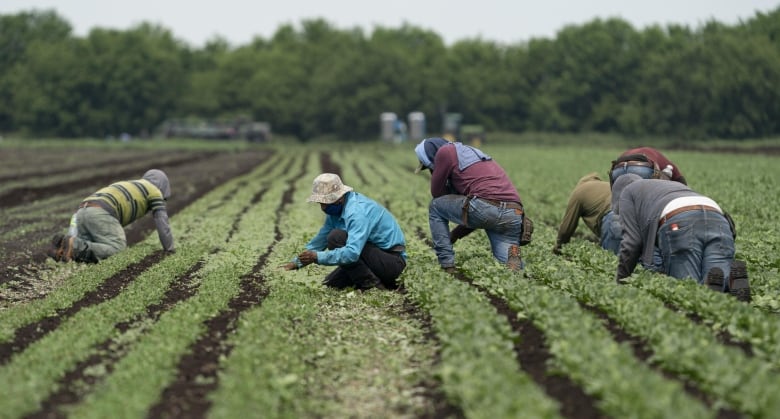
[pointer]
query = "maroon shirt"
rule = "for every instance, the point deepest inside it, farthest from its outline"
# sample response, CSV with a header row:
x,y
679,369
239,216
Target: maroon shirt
x,y
655,156
484,179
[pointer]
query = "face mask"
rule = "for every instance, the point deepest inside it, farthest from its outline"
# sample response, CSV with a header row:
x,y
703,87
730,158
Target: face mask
x,y
334,209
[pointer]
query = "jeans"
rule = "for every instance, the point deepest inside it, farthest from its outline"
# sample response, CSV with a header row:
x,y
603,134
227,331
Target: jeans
x,y
374,265
502,225
100,235
693,242
641,171
611,232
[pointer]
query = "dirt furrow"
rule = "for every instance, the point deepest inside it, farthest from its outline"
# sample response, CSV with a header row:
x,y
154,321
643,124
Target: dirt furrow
x,y
77,382
107,290
197,371
643,352
26,194
532,354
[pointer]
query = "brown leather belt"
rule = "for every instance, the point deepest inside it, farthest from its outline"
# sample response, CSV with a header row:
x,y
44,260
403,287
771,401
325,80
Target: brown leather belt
x,y
632,163
518,207
94,204
684,209
507,204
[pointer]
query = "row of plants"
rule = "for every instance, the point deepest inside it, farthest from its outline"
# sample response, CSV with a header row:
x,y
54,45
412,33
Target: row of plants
x,y
582,348
478,369
761,330
678,343
85,166
307,350
236,239
201,226
440,345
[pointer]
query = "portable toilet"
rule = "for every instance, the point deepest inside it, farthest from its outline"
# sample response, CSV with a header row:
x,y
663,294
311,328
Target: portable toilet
x,y
416,126
387,125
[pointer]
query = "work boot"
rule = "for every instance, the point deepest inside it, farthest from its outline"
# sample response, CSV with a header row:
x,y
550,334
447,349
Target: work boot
x,y
514,262
338,279
739,286
449,269
61,248
714,279
370,281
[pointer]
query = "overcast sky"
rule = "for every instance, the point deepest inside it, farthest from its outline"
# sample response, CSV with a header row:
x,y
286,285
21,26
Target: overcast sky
x,y
504,21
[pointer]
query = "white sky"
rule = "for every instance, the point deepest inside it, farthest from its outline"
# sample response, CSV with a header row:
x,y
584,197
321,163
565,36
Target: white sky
x,y
504,21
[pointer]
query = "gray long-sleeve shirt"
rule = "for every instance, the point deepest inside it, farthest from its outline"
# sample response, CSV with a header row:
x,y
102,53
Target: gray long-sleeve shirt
x,y
640,205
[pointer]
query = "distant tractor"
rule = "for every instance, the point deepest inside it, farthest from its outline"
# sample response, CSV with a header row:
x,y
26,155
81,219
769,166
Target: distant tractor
x,y
256,132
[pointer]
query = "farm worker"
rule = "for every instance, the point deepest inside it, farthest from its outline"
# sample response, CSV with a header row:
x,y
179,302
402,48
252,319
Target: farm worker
x,y
359,236
647,163
695,238
100,219
473,191
590,200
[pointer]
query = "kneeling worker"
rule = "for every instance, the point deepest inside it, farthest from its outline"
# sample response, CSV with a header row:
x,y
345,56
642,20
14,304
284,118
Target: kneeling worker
x,y
359,236
100,220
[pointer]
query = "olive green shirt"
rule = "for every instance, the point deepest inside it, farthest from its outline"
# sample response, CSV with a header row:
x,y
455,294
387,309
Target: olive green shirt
x,y
589,200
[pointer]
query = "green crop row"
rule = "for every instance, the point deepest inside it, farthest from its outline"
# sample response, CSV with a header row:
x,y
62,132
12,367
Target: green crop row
x,y
190,228
720,311
150,364
678,344
582,348
585,351
309,351
744,398
73,340
478,369
302,350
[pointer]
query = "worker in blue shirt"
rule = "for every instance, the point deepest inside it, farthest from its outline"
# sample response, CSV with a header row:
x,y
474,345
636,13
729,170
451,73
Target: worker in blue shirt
x,y
359,236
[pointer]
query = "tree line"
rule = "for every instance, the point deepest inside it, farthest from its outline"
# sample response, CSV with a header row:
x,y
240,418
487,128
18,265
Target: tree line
x,y
713,81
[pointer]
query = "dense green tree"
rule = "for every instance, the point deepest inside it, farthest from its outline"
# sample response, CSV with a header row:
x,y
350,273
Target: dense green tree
x,y
49,85
590,73
199,97
17,33
137,76
316,80
479,83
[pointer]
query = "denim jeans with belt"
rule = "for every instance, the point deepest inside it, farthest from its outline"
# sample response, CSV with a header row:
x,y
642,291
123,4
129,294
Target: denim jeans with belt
x,y
693,242
502,225
641,171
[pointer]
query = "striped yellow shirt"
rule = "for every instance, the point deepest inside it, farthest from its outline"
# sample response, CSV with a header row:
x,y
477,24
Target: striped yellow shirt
x,y
130,199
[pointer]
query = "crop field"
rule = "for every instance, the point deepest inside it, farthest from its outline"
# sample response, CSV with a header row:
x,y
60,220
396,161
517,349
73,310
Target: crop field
x,y
218,329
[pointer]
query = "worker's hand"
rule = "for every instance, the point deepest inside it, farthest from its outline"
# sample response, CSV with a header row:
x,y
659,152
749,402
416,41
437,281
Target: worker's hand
x,y
308,257
290,266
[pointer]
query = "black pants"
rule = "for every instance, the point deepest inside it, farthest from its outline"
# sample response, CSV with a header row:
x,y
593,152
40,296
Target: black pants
x,y
374,266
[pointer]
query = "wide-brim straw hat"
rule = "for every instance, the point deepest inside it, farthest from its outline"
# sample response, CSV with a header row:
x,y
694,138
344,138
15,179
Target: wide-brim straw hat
x,y
327,189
